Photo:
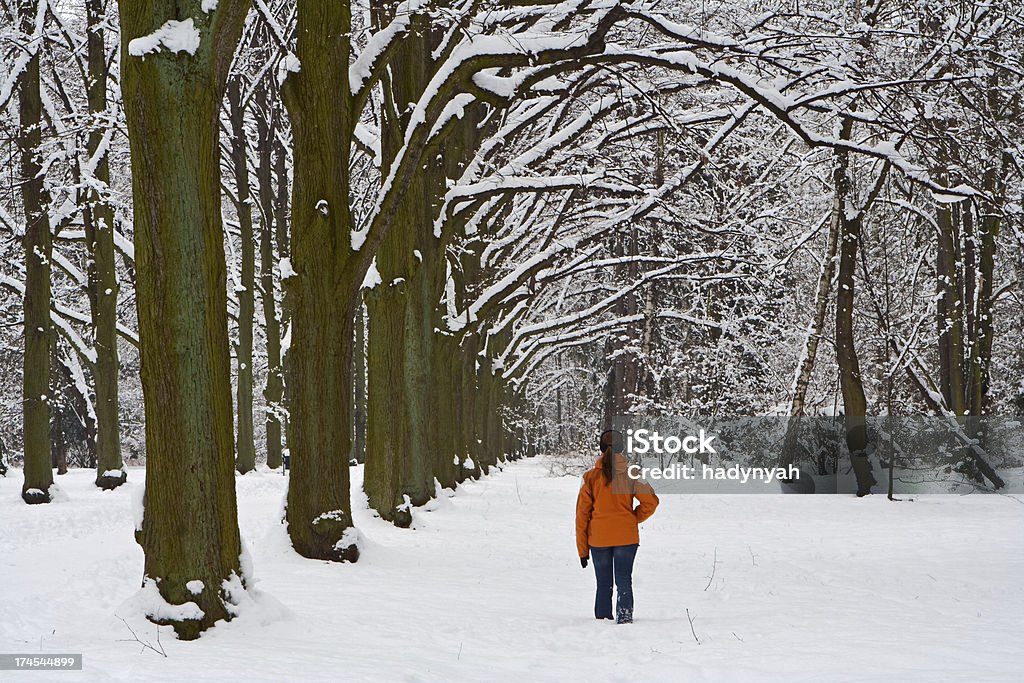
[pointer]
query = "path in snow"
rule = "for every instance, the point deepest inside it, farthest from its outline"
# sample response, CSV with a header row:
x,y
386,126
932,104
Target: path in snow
x,y
488,588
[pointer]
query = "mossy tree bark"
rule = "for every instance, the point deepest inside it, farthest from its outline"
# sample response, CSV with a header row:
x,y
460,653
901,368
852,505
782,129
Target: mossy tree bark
x,y
36,305
320,297
413,430
360,397
172,102
395,448
98,216
245,439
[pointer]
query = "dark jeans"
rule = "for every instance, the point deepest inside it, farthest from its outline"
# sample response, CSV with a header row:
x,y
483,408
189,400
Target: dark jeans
x,y
615,561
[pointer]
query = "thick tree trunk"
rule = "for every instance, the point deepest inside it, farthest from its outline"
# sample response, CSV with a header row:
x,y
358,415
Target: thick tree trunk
x,y
401,419
172,102
99,221
38,247
246,444
273,391
320,297
387,433
402,425
449,397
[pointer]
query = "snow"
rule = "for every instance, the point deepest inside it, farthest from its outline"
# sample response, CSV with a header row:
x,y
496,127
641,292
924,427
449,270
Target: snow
x,y
176,36
113,473
487,586
209,5
362,68
372,277
358,237
955,195
149,602
195,587
351,537
286,268
289,65
137,502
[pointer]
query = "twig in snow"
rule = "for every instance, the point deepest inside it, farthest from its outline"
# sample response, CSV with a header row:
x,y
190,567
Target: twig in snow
x,y
159,649
517,491
737,637
752,560
690,619
713,567
459,656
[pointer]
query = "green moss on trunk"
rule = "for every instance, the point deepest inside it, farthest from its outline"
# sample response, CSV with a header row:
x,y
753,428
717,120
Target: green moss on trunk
x,y
320,298
36,304
172,102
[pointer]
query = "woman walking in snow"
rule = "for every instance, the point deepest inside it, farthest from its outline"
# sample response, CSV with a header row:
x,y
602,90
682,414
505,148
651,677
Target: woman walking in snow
x,y
607,526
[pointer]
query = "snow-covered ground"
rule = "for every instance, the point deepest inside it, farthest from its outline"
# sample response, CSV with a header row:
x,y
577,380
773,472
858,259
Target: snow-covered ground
x,y
488,588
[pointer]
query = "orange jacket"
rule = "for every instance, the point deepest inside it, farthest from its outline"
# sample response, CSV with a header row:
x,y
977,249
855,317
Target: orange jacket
x,y
605,517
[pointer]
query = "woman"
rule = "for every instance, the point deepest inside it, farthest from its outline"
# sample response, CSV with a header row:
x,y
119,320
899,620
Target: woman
x,y
607,526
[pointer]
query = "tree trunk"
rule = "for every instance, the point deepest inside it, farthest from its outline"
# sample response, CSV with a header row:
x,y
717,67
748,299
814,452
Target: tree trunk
x,y
320,297
38,247
387,432
981,358
790,447
949,309
246,444
99,221
359,417
274,390
172,102
60,383
402,426
401,327
854,401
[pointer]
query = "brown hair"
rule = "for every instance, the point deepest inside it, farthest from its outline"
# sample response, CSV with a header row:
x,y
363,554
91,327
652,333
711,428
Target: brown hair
x,y
610,443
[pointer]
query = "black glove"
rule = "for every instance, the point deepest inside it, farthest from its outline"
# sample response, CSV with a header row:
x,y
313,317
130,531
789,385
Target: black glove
x,y
583,561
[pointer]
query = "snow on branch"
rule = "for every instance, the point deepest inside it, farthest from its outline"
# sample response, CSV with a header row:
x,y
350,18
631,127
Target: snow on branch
x,y
174,36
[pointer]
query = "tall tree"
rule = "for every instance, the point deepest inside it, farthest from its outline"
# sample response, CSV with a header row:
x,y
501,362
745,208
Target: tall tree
x,y
38,247
851,382
273,391
246,443
98,216
320,295
175,58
